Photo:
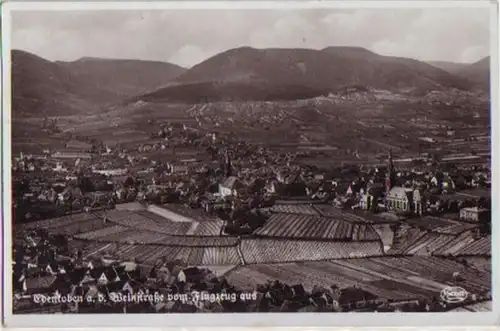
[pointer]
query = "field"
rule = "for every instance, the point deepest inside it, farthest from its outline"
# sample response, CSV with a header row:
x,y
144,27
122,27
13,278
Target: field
x,y
330,130
149,254
311,227
485,306
357,216
400,278
57,222
276,250
459,241
146,220
481,247
295,209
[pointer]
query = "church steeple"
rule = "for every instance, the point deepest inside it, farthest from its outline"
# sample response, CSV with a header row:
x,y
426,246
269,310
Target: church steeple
x,y
227,164
390,177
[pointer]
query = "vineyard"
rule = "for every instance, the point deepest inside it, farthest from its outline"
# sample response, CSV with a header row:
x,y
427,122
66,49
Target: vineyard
x,y
482,246
455,245
419,242
455,228
295,209
358,216
146,220
273,250
57,222
485,306
149,254
389,278
75,227
310,227
423,245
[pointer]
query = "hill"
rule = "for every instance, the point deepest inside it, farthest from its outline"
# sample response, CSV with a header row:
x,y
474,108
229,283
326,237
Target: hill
x,y
41,87
478,73
451,67
123,78
244,73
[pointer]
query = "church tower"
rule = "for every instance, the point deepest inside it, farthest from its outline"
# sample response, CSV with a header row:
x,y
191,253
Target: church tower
x,y
227,164
390,177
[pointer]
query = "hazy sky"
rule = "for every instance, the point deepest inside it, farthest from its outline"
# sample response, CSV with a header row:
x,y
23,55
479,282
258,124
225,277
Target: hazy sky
x,y
187,37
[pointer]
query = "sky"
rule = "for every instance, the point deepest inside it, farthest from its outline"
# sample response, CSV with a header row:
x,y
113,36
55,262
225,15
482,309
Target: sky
x,y
187,37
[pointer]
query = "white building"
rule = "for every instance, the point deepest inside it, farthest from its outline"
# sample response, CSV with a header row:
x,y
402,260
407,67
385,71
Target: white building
x,y
231,186
474,214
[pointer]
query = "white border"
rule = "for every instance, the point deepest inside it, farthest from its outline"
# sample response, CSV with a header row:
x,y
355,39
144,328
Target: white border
x,y
246,319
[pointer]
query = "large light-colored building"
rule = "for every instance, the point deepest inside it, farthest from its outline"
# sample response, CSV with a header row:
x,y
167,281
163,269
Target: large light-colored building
x,y
405,200
112,172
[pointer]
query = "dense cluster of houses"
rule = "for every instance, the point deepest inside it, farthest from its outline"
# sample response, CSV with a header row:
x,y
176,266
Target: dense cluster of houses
x,y
236,181
240,174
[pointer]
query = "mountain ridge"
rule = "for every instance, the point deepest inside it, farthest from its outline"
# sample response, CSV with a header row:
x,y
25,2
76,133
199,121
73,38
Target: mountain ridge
x,y
323,70
43,87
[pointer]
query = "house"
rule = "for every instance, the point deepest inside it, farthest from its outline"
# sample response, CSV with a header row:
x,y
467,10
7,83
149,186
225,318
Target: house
x,y
190,275
52,268
418,201
272,186
112,172
116,287
231,186
76,276
475,214
38,284
370,198
298,291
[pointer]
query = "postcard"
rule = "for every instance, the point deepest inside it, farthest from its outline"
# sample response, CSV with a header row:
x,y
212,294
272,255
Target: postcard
x,y
252,163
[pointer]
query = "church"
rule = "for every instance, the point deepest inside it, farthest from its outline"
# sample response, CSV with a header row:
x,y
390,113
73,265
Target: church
x,y
231,185
401,199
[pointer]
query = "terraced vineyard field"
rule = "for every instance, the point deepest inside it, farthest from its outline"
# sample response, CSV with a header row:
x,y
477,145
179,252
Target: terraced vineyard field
x,y
357,216
149,254
390,278
57,222
295,209
77,227
482,246
425,244
455,245
273,250
311,227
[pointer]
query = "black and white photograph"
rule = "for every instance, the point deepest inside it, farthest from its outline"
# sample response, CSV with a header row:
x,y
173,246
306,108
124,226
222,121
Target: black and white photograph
x,y
256,160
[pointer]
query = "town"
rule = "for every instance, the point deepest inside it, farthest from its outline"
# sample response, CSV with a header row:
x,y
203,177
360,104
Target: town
x,y
192,206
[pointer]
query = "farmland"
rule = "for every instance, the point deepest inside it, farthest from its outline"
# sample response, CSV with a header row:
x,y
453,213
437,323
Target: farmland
x,y
357,216
295,209
310,227
149,254
275,250
146,220
390,278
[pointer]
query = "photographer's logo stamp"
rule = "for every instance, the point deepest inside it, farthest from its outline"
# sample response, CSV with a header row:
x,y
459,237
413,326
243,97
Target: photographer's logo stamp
x,y
454,294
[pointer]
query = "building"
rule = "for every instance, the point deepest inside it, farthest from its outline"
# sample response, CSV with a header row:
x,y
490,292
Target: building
x,y
400,199
475,214
112,172
231,186
72,155
390,177
406,200
418,202
369,199
190,275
